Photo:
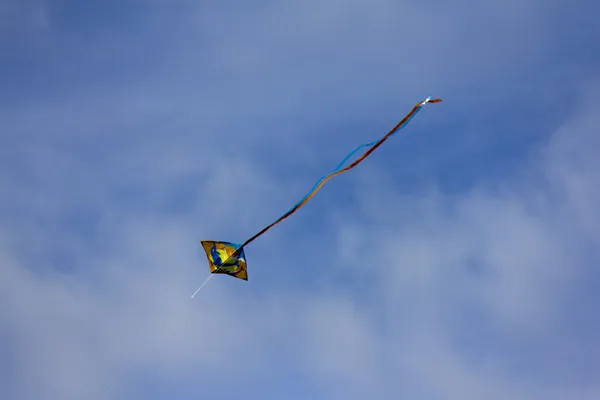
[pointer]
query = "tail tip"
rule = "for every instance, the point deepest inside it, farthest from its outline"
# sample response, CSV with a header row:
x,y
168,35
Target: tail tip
x,y
430,100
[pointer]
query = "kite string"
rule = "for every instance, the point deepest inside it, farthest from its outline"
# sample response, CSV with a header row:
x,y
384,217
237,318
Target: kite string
x,y
210,275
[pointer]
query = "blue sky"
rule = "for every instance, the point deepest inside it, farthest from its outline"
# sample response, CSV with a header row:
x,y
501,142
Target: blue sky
x,y
460,261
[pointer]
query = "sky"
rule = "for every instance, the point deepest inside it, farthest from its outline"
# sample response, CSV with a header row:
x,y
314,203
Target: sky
x,y
460,261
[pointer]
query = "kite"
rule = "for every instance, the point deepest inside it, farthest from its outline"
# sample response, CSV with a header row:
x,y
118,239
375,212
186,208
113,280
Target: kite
x,y
229,258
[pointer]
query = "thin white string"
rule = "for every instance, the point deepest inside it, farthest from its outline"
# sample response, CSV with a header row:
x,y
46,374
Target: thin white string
x,y
210,275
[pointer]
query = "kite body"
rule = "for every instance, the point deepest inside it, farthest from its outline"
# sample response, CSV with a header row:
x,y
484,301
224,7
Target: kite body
x,y
228,258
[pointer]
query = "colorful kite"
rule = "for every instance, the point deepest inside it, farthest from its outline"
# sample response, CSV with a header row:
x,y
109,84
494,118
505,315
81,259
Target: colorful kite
x,y
228,258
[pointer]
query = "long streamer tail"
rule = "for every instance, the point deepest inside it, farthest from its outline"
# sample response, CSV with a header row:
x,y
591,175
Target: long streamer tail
x,y
340,169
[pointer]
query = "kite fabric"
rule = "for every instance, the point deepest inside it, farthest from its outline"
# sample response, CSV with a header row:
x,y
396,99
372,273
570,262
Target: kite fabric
x,y
229,258
223,259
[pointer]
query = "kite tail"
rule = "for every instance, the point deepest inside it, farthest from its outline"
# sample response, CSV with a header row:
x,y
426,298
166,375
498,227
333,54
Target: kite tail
x,y
341,169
